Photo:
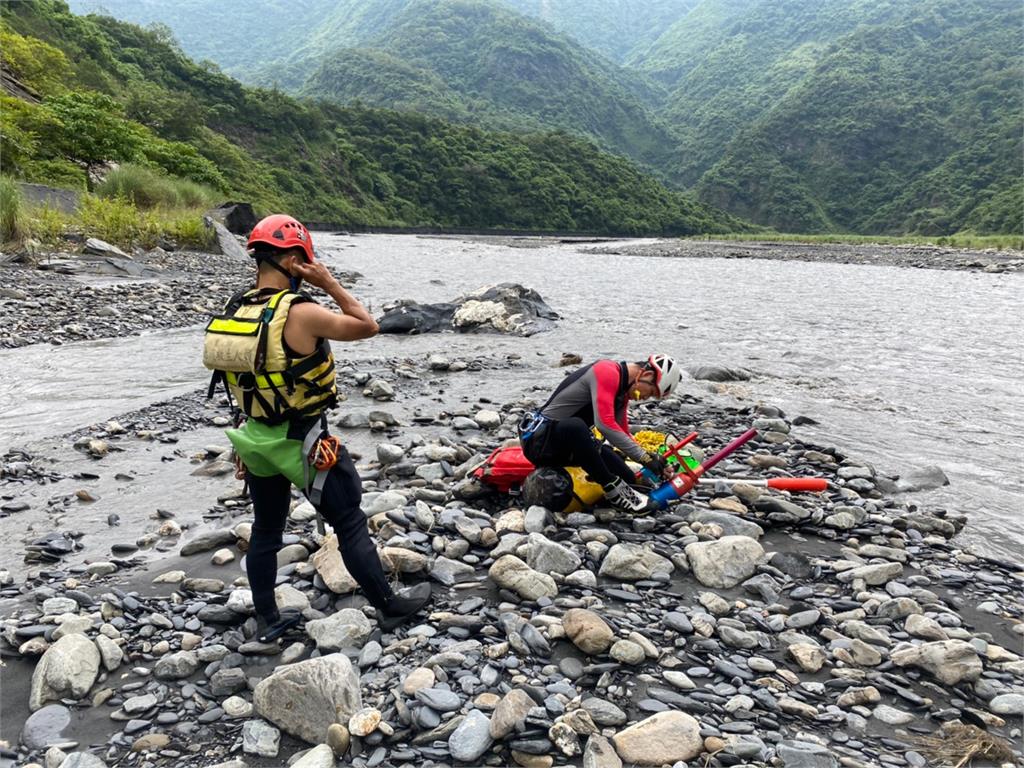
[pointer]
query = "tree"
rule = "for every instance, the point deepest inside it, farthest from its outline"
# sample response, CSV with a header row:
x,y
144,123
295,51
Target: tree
x,y
91,130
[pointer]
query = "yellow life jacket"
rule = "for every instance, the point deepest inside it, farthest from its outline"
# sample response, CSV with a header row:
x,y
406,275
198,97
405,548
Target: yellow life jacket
x,y
245,349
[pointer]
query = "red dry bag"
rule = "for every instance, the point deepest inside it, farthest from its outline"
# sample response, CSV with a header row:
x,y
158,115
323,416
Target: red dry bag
x,y
505,467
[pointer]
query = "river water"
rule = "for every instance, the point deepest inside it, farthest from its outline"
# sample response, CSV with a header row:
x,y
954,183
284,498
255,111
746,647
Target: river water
x,y
900,367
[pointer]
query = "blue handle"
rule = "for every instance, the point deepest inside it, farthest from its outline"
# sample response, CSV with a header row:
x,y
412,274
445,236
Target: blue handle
x,y
663,495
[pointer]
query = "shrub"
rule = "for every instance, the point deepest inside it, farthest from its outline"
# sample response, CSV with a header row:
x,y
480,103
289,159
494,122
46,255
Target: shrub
x,y
114,220
142,186
49,225
193,195
14,225
147,188
117,220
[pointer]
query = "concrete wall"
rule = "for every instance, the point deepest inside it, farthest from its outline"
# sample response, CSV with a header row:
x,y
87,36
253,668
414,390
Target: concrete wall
x,y
65,200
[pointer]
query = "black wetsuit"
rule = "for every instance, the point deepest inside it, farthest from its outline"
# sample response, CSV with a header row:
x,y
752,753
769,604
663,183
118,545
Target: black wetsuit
x,y
595,395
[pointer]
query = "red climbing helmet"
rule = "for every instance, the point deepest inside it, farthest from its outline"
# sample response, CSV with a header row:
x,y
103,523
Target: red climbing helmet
x,y
282,231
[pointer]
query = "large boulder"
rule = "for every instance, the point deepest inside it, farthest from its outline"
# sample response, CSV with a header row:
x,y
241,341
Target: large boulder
x,y
631,562
237,218
226,242
548,556
471,738
924,479
717,373
949,661
662,739
732,525
504,308
724,563
510,713
347,628
45,726
331,568
804,754
306,698
507,308
407,316
67,670
588,631
509,572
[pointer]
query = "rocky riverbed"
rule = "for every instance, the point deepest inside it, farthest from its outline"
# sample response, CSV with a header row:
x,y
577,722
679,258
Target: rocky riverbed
x,y
64,297
913,256
742,627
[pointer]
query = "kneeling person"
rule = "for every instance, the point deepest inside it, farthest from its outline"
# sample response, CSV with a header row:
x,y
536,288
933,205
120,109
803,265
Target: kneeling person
x,y
271,350
559,434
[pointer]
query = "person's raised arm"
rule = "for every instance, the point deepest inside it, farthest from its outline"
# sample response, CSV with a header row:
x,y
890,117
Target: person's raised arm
x,y
354,323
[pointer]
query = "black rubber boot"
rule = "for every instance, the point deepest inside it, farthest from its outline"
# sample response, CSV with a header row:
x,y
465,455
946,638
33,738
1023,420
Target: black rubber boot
x,y
403,606
268,632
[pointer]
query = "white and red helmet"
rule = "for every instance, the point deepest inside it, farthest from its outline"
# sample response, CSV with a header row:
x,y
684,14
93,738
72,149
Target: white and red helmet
x,y
667,374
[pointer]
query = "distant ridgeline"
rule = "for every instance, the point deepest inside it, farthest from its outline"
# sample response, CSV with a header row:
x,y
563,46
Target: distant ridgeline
x,y
864,116
78,91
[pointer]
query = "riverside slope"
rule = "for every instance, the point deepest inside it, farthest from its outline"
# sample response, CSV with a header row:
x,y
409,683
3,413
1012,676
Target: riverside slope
x,y
842,625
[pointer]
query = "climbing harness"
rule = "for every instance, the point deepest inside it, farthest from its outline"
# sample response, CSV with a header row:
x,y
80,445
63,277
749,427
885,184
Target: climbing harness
x,y
531,422
320,451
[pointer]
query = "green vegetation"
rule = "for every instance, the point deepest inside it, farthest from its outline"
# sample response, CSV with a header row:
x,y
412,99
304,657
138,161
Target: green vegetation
x,y
855,116
246,38
129,96
117,220
613,28
961,240
475,60
908,126
505,180
13,216
467,60
146,188
864,116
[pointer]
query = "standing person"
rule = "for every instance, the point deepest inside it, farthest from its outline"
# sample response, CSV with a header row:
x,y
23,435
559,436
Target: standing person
x,y
270,348
559,434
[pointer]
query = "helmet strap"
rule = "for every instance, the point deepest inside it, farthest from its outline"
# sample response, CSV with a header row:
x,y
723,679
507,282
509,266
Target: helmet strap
x,y
269,260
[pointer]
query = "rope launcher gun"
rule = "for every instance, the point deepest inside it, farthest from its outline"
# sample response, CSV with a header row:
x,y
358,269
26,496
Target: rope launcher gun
x,y
691,473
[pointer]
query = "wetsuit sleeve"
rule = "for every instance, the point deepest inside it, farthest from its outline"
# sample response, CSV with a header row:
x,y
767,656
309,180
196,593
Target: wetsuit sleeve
x,y
603,386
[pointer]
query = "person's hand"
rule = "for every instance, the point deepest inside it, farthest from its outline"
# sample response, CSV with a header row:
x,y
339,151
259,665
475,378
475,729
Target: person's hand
x,y
657,466
316,274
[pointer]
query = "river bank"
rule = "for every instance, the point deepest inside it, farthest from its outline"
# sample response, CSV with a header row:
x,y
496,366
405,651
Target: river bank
x,y
69,296
915,256
740,628
847,626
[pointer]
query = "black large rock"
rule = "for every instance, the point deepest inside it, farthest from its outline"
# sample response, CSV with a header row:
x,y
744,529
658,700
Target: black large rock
x,y
411,317
237,218
504,308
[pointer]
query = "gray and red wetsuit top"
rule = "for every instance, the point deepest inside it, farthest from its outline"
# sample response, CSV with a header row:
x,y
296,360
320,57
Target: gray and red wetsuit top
x,y
597,394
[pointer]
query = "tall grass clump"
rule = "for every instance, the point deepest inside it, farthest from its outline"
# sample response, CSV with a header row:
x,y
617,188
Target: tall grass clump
x,y
49,225
14,224
116,220
119,221
147,188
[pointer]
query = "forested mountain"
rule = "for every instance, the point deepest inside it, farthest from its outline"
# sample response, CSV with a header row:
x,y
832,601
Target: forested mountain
x,y
238,34
613,28
109,90
852,115
911,122
242,36
474,58
467,60
729,61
